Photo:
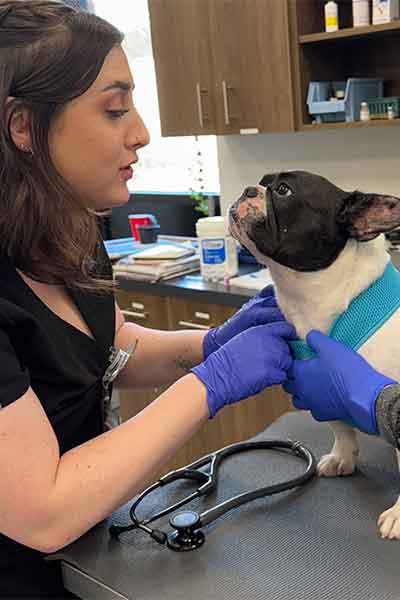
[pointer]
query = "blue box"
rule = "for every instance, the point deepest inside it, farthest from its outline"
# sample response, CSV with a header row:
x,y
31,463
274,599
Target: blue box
x,y
356,90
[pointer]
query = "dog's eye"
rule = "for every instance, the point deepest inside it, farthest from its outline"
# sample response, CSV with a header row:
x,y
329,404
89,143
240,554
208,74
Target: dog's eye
x,y
283,190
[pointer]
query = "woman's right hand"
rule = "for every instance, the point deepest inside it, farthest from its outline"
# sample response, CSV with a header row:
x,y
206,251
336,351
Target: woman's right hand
x,y
248,363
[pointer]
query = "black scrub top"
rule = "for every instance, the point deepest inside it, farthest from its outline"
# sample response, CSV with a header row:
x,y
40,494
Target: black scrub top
x,y
64,367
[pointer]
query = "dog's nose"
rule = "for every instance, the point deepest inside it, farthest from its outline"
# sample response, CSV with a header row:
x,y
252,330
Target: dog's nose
x,y
251,192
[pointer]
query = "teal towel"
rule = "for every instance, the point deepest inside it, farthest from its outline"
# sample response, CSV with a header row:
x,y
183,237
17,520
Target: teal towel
x,y
365,314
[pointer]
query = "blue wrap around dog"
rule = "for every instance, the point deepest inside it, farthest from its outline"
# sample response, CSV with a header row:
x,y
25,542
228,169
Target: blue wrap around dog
x,y
365,314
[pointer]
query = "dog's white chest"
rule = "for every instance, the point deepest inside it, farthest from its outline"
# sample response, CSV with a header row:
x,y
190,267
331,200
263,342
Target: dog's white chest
x,y
382,349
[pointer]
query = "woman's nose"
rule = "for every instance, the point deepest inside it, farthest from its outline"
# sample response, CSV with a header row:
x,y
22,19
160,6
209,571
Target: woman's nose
x,y
138,136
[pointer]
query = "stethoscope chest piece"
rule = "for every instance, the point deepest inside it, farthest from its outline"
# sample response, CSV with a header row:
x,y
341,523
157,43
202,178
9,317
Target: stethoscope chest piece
x,y
187,535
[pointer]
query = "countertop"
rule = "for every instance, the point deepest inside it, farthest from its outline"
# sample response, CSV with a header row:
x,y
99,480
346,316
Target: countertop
x,y
193,287
316,542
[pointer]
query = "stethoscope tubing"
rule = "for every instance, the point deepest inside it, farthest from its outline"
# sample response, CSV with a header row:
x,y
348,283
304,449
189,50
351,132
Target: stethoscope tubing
x,y
208,481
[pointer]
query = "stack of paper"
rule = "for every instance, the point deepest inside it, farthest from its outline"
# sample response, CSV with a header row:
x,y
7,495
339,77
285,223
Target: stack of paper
x,y
153,264
256,280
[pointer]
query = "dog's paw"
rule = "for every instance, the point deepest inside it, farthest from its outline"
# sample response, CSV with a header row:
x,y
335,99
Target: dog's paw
x,y
389,522
336,465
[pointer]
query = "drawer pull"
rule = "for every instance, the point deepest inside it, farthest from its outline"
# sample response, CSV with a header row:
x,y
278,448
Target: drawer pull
x,y
134,315
137,305
201,315
190,325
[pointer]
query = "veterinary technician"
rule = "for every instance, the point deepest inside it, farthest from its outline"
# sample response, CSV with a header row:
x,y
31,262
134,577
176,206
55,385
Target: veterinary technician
x,y
340,385
69,133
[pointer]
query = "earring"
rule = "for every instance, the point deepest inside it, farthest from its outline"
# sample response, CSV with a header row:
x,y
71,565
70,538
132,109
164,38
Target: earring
x,y
26,149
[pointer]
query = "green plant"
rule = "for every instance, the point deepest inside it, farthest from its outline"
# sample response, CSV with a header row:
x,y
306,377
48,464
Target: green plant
x,y
197,188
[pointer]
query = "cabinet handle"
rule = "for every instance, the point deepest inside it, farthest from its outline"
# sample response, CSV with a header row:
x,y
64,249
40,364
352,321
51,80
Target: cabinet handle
x,y
135,315
202,315
225,89
202,116
190,325
137,305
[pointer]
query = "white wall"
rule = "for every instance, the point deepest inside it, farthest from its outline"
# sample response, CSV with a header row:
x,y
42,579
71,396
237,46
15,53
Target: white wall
x,y
364,159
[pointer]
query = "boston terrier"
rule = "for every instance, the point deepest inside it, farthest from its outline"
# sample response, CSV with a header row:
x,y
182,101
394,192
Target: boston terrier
x,y
324,248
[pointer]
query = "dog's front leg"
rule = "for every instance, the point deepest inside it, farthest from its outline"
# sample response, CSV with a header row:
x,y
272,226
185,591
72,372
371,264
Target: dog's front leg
x,y
342,459
389,520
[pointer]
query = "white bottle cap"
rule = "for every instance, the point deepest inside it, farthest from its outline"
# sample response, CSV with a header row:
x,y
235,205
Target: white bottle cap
x,y
212,226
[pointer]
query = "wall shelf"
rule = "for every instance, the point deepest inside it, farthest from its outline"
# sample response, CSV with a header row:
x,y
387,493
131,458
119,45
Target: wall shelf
x,y
360,52
350,32
352,125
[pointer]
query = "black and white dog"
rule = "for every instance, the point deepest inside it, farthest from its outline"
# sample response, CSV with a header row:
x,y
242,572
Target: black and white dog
x,y
323,248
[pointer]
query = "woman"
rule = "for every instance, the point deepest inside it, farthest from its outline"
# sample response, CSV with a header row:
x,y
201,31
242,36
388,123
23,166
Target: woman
x,y
69,133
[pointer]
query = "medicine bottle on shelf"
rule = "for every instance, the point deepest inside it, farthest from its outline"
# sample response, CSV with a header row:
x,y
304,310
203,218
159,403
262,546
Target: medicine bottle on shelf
x,y
217,248
331,16
364,112
361,17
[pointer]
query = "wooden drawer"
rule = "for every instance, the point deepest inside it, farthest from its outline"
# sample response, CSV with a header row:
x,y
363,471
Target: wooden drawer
x,y
143,309
234,423
189,314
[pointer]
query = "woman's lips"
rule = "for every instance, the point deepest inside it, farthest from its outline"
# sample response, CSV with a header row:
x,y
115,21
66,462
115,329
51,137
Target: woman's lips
x,y
126,173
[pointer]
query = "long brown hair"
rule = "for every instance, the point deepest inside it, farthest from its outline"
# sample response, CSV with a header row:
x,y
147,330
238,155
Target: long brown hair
x,y
49,54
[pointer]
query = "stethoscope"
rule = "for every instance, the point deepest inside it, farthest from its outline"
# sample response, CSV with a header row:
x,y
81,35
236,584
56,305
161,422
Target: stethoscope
x,y
187,533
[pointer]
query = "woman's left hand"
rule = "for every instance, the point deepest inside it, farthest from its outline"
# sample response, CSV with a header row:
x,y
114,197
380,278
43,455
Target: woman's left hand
x,y
260,310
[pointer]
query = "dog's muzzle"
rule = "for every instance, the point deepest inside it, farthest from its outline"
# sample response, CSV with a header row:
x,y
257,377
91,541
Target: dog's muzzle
x,y
248,208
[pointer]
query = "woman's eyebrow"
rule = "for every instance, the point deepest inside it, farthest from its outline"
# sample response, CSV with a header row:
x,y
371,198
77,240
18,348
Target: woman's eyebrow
x,y
125,86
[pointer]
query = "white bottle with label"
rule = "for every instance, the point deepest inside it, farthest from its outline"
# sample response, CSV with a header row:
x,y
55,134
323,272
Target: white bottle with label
x,y
218,250
364,112
331,16
361,17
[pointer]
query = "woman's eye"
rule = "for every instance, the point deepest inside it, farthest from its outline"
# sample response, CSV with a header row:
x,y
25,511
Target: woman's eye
x,y
283,190
117,114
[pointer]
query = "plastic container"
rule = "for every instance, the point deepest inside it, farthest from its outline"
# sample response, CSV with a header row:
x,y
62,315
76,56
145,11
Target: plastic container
x,y
218,250
384,11
357,90
148,234
379,107
361,17
140,219
331,16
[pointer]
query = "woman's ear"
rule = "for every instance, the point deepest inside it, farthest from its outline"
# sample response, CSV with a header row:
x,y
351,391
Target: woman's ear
x,y
365,216
18,119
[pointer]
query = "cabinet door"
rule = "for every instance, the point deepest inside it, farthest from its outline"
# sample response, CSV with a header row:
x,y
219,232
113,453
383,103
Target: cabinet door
x,y
182,55
190,314
148,311
252,69
143,309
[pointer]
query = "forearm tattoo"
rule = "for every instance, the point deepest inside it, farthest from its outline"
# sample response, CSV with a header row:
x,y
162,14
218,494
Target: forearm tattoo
x,y
183,363
387,411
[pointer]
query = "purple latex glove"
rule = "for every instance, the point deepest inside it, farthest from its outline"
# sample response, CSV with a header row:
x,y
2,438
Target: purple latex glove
x,y
337,385
260,310
248,363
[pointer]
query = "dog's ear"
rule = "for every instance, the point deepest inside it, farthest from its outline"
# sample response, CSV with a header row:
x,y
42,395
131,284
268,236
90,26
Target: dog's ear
x,y
365,216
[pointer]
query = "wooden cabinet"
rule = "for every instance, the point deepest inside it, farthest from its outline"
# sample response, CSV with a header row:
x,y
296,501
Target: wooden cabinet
x,y
222,66
190,314
349,52
181,41
149,311
143,309
237,422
